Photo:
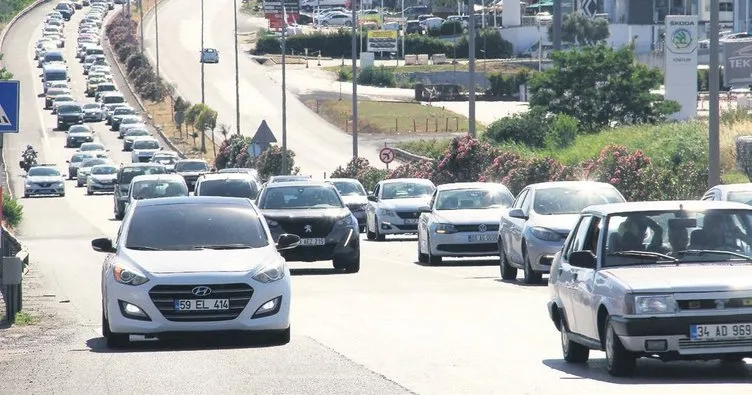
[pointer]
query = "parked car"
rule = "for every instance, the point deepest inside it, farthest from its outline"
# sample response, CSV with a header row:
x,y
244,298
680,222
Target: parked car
x,y
539,221
741,193
667,280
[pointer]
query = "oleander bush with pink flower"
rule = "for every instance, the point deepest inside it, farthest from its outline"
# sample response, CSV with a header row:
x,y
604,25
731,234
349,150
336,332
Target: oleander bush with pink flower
x,y
233,152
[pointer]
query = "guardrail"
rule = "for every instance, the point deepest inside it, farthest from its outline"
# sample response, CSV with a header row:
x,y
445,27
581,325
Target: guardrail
x,y
406,156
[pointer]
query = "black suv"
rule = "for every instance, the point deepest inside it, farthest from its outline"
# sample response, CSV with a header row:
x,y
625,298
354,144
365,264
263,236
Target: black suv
x,y
69,114
123,182
190,169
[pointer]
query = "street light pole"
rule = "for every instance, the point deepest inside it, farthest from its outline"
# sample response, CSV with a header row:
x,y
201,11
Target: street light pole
x,y
284,94
714,173
141,22
156,28
471,70
203,90
354,82
557,25
237,73
404,24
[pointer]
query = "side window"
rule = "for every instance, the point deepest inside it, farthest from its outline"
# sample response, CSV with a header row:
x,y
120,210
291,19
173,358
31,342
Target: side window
x,y
377,190
579,233
593,235
526,203
520,199
433,199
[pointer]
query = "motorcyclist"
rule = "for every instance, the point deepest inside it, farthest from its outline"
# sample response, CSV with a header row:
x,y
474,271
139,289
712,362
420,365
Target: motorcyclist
x,y
30,151
28,158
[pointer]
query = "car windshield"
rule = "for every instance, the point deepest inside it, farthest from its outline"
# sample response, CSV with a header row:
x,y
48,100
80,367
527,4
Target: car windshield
x,y
113,99
405,190
151,189
93,162
69,109
90,106
192,226
79,129
228,188
79,158
56,76
137,132
123,111
43,172
165,160
104,170
678,236
476,198
572,200
62,99
129,173
349,188
191,166
740,197
300,197
145,144
128,120
92,147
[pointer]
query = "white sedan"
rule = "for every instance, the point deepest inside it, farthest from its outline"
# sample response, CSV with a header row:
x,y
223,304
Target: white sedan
x,y
462,221
194,264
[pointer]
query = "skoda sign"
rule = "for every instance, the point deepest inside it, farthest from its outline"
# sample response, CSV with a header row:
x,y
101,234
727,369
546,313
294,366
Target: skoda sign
x,y
681,39
680,77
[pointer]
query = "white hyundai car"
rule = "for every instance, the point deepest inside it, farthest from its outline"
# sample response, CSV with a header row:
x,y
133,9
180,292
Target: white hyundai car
x,y
194,264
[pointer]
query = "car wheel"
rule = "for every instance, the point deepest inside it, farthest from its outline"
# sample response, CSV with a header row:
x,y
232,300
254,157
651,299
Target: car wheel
x,y
113,340
531,276
369,235
422,258
89,192
26,195
573,352
433,260
118,214
348,265
507,271
619,361
377,236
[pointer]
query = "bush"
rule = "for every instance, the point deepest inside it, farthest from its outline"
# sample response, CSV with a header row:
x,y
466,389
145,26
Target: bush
x,y
451,28
361,170
269,163
562,131
530,129
378,76
516,172
464,160
628,172
703,80
124,42
420,169
12,211
507,85
230,150
489,40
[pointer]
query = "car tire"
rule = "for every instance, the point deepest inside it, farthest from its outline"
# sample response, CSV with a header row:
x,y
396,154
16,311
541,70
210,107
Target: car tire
x,y
113,340
619,361
422,258
433,260
573,352
89,192
26,195
62,194
348,265
508,272
531,276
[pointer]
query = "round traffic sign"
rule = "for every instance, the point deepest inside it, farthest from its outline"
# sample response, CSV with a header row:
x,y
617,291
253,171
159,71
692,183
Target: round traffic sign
x,y
386,155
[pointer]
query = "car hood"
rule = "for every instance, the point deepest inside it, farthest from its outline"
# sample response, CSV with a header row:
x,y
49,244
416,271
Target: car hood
x,y
281,215
562,223
404,204
477,216
44,179
354,200
201,261
104,177
686,277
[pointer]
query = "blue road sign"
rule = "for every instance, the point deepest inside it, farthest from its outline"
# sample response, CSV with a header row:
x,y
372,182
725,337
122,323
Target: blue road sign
x,y
10,103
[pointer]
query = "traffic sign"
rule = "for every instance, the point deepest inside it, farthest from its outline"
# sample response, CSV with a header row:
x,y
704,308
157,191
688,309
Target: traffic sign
x,y
254,150
386,155
263,134
10,103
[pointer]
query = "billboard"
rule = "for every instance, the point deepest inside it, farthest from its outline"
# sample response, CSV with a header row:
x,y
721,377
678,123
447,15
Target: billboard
x,y
274,11
680,77
737,62
382,41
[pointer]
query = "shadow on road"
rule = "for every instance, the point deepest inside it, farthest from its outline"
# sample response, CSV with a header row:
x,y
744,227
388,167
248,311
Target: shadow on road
x,y
184,343
315,272
520,283
656,372
395,240
461,263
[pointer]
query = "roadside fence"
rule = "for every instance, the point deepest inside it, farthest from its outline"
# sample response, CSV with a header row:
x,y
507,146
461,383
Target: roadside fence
x,y
402,125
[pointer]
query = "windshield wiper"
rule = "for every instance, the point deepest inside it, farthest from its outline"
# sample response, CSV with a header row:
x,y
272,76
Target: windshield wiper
x,y
223,247
643,254
143,248
720,252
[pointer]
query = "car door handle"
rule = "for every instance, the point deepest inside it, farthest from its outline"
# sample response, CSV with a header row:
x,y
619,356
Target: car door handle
x,y
574,276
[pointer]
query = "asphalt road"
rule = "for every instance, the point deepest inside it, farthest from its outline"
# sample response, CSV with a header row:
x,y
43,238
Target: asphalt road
x,y
319,147
395,327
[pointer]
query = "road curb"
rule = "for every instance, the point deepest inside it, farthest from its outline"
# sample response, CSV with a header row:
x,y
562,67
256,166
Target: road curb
x,y
133,90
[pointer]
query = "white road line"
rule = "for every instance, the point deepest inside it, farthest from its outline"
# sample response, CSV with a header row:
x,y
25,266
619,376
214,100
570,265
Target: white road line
x,y
46,150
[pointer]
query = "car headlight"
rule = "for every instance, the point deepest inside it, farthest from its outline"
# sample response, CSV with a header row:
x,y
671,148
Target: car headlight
x,y
347,221
545,234
127,276
28,184
58,184
271,272
655,304
385,212
443,229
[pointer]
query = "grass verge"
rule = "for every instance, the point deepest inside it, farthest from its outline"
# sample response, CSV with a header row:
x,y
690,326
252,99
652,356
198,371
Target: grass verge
x,y
391,117
161,113
24,318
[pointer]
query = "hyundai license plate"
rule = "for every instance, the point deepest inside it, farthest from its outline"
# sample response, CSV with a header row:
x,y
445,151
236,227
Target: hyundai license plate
x,y
720,332
411,221
480,238
313,241
201,304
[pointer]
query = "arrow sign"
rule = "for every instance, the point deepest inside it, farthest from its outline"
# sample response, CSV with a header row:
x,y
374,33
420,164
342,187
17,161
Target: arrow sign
x,y
263,134
386,155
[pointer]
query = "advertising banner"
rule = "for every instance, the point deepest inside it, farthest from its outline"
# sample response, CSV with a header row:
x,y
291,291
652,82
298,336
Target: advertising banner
x,y
382,41
681,63
737,62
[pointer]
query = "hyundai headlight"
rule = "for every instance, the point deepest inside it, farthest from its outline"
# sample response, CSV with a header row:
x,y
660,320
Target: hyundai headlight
x,y
271,272
128,276
544,234
385,212
347,221
655,304
444,229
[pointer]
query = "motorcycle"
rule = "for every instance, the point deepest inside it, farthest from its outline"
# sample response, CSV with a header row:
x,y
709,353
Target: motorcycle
x,y
28,159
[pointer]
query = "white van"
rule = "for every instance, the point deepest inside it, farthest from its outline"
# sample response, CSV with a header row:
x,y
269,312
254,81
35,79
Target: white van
x,y
54,73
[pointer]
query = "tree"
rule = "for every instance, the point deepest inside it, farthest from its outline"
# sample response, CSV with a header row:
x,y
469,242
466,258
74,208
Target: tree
x,y
4,73
579,29
599,85
206,120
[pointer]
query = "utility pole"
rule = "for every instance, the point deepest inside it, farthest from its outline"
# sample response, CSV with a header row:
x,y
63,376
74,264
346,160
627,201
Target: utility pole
x,y
285,166
404,23
237,73
156,28
471,70
141,22
354,81
203,90
714,174
557,25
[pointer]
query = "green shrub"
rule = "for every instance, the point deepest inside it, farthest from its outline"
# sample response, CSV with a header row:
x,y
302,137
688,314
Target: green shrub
x,y
530,128
489,40
429,148
344,74
451,28
507,85
562,131
378,76
12,210
124,42
703,80
9,8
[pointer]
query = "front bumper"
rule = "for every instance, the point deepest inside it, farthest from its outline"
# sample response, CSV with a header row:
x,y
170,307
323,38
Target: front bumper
x,y
634,334
541,253
397,226
341,243
44,189
464,244
92,117
62,122
158,323
101,187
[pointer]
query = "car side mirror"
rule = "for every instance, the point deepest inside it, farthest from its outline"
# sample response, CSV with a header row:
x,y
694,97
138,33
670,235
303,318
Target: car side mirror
x,y
582,259
424,209
103,244
287,241
372,198
517,213
67,161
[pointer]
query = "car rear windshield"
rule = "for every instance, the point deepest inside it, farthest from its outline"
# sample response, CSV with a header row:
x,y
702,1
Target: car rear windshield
x,y
106,88
127,174
468,199
113,99
80,157
92,147
152,189
95,51
191,166
56,76
123,111
53,57
104,170
145,144
93,162
572,200
89,106
741,197
69,109
349,188
300,197
191,226
228,188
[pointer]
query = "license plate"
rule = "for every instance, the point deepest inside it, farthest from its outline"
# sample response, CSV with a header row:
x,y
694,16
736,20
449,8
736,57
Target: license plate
x,y
720,332
411,221
313,242
202,304
480,238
